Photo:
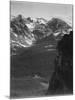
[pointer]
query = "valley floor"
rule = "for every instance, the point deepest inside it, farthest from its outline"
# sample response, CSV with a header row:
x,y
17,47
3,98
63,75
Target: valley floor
x,y
28,87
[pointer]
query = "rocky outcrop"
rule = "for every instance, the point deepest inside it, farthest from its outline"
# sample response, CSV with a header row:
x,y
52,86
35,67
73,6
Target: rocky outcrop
x,y
62,79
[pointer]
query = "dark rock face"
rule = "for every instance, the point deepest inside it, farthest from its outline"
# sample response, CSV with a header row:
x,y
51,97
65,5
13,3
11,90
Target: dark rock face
x,y
62,79
57,25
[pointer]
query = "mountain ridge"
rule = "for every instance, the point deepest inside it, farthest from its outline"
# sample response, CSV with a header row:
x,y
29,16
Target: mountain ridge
x,y
25,32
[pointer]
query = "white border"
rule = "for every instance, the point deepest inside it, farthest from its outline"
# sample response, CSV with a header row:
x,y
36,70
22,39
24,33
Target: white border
x,y
4,49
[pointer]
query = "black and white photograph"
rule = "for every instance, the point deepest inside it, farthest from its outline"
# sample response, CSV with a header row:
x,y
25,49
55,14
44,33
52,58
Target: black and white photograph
x,y
41,49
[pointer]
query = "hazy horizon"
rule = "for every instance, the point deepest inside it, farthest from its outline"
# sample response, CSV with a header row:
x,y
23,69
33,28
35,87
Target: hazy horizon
x,y
38,10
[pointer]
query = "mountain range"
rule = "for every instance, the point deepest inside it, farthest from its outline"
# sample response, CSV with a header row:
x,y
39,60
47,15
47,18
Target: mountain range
x,y
29,32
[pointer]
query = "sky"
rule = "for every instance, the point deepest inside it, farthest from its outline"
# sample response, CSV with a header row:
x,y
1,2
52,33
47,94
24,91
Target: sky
x,y
45,10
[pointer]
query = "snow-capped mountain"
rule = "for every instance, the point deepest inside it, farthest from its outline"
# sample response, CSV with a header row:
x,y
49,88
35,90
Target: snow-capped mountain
x,y
20,34
34,22
31,26
41,20
25,32
59,27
